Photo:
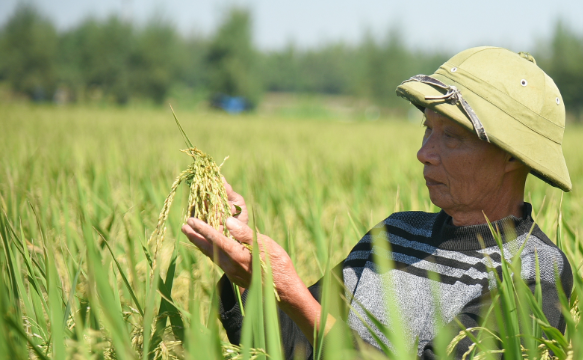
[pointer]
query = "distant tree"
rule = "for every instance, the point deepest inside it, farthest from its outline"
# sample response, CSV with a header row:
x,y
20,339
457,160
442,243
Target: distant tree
x,y
562,59
193,69
232,60
156,62
327,70
388,63
28,45
330,69
99,52
281,70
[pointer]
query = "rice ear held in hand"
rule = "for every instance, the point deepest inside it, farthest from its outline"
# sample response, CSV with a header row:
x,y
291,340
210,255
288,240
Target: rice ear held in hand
x,y
207,199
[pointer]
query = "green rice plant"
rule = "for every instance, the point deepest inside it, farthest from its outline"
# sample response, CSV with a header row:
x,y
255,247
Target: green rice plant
x,y
515,324
207,200
80,191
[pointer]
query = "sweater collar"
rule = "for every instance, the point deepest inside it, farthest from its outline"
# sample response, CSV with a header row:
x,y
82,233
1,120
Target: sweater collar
x,y
447,236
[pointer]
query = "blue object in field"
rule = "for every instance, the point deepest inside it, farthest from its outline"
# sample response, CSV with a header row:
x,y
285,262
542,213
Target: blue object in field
x,y
231,104
234,104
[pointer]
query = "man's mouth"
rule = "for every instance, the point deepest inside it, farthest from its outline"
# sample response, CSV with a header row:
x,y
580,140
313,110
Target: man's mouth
x,y
431,182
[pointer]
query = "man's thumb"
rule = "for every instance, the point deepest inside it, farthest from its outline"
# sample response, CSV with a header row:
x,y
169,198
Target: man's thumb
x,y
240,230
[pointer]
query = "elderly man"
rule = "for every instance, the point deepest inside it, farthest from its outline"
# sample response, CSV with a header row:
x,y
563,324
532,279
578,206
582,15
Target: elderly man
x,y
491,117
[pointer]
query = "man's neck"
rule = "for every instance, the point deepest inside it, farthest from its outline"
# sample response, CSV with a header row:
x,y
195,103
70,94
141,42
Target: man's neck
x,y
495,213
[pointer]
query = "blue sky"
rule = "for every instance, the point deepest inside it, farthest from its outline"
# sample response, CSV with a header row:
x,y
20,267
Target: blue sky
x,y
447,25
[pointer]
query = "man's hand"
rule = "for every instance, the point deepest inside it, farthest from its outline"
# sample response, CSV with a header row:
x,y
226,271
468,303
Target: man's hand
x,y
237,203
235,259
236,262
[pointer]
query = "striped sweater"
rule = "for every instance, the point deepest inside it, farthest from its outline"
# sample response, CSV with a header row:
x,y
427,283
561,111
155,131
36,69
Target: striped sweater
x,y
437,272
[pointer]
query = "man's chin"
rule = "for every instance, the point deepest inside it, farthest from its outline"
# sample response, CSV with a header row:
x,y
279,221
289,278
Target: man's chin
x,y
438,199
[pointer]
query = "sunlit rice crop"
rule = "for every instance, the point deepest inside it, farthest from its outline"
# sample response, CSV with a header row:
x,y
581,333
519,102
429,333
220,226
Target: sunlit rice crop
x,y
80,196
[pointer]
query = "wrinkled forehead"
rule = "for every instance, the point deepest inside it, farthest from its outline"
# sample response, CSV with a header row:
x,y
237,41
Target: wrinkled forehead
x,y
435,117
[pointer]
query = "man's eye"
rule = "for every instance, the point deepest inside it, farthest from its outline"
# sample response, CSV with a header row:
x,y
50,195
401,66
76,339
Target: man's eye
x,y
450,135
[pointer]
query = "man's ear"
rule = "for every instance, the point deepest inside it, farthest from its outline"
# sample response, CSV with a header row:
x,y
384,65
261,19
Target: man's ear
x,y
512,163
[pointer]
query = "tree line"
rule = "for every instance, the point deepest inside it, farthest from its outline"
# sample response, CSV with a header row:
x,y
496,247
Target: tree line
x,y
114,60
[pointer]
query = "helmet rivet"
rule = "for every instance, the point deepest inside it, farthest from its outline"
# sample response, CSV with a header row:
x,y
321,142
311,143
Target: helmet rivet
x,y
558,101
523,82
453,69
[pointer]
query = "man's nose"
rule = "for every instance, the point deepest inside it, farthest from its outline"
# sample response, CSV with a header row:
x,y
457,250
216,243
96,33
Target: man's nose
x,y
428,153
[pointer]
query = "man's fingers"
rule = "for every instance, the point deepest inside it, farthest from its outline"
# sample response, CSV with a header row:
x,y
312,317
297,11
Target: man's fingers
x,y
197,239
227,186
211,237
240,230
236,202
228,189
235,198
231,194
205,230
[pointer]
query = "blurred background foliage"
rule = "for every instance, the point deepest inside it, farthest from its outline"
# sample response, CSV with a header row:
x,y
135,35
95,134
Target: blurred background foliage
x,y
113,61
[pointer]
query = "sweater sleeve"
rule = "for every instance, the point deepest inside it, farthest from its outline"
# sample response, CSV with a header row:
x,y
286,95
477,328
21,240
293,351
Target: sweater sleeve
x,y
295,344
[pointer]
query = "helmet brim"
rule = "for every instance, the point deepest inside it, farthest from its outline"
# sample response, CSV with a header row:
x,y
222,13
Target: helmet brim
x,y
542,155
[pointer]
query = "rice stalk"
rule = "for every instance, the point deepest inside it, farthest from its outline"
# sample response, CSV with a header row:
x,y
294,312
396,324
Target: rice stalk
x,y
207,200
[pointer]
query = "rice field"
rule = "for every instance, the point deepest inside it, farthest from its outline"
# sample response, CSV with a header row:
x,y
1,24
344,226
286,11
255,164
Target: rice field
x,y
81,189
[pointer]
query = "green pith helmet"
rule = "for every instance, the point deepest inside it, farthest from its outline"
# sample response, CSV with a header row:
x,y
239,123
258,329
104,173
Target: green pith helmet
x,y
506,99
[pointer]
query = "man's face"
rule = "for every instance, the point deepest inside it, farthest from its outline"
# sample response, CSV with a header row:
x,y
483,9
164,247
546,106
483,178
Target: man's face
x,y
461,171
